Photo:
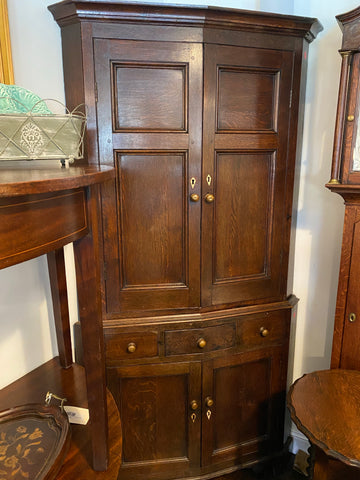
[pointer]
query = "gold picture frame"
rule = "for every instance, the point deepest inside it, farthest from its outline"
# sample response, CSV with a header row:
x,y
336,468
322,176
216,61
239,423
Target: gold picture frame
x,y
6,67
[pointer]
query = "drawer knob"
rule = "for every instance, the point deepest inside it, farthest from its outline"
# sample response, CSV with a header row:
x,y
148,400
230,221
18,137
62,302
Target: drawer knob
x,y
352,317
209,198
194,197
209,402
194,405
131,348
264,332
201,343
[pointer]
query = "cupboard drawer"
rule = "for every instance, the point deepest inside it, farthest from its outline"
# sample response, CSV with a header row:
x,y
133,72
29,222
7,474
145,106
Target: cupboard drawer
x,y
121,346
199,340
268,330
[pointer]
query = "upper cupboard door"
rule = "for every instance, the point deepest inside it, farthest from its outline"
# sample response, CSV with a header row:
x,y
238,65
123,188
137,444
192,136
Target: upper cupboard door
x,y
247,100
149,122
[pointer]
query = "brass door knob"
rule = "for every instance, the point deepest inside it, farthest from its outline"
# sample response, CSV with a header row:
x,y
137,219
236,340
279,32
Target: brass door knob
x,y
209,198
194,405
209,402
264,332
201,343
194,197
131,348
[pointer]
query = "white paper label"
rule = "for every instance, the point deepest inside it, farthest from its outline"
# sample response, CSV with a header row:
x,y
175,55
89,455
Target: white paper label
x,y
77,414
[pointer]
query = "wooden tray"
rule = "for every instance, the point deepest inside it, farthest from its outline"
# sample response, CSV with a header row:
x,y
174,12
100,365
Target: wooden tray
x,y
34,440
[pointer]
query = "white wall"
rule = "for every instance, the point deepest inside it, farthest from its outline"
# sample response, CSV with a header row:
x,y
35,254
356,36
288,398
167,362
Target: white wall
x,y
26,326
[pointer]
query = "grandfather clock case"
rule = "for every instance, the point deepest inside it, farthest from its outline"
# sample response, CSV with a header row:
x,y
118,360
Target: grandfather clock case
x,y
345,180
200,111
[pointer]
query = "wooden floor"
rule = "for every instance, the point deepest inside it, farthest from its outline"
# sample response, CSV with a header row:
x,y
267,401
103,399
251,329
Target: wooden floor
x,y
70,383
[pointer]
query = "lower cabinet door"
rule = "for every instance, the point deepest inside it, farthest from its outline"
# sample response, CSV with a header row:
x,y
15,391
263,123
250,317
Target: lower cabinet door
x,y
243,406
160,411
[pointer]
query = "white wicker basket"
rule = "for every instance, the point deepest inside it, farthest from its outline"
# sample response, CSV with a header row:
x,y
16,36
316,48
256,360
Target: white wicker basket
x,y
34,136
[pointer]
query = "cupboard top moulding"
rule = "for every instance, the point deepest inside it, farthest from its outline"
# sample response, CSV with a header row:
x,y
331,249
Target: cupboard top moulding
x,y
193,16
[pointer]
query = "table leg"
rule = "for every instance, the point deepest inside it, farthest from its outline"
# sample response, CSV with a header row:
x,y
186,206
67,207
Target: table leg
x,y
86,251
56,267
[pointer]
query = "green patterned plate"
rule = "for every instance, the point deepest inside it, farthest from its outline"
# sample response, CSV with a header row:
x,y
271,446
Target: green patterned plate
x,y
14,99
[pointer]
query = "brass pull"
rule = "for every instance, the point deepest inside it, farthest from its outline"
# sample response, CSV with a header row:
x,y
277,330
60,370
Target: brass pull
x,y
209,198
201,343
131,348
352,317
209,402
194,405
351,118
264,332
194,197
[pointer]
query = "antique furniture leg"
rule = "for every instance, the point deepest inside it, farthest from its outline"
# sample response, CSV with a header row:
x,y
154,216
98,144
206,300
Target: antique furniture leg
x,y
56,267
86,252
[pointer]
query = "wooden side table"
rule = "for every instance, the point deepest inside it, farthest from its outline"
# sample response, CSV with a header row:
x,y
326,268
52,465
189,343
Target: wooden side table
x,y
325,406
42,208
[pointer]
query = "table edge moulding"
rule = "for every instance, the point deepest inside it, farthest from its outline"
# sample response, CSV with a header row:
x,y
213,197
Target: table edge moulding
x,y
200,112
44,207
324,407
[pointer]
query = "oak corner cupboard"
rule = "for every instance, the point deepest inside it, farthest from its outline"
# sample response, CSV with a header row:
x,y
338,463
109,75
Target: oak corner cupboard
x,y
345,181
199,109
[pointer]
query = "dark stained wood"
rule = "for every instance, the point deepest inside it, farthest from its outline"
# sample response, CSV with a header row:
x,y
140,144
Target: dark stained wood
x,y
69,383
87,263
57,274
325,407
340,116
243,422
243,230
348,23
35,177
66,12
185,103
196,340
130,345
155,404
48,214
155,161
345,181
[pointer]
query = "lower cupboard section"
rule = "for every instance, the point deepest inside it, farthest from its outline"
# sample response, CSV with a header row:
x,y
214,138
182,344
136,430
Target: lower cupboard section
x,y
200,415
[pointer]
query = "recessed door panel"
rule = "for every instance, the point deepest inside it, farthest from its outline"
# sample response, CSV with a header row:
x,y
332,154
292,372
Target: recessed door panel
x,y
245,233
164,109
247,99
153,231
242,240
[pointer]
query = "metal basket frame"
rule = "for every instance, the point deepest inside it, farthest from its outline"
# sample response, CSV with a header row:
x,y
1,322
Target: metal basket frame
x,y
32,140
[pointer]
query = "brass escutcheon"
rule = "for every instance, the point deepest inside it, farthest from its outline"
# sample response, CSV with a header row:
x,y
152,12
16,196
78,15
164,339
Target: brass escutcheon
x,y
352,317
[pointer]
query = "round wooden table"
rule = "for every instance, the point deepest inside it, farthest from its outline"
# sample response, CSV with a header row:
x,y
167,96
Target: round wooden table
x,y
325,406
